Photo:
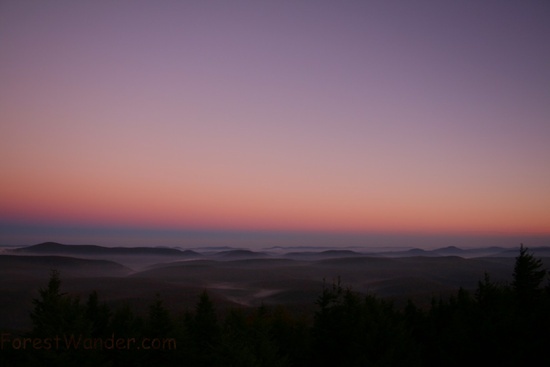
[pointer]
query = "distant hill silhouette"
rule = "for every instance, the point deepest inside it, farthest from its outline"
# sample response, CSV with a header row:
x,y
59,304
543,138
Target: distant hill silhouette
x,y
450,249
57,248
455,251
42,264
543,251
326,254
240,254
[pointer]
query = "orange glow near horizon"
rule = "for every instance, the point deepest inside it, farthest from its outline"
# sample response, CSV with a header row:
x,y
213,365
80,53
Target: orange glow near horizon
x,y
183,115
99,203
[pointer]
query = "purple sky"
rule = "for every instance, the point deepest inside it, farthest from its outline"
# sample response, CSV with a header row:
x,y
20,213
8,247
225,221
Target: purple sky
x,y
350,117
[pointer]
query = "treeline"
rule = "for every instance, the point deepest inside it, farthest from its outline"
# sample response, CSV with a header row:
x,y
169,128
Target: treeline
x,y
498,324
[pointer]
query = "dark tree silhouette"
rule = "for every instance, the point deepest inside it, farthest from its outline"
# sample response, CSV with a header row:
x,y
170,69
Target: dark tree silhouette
x,y
528,276
58,316
98,316
503,324
159,323
352,330
56,313
204,333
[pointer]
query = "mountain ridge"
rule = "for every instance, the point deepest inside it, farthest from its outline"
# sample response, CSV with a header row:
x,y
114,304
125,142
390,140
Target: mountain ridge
x,y
54,247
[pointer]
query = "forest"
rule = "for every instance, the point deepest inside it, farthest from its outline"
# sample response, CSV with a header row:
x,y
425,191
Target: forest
x,y
506,324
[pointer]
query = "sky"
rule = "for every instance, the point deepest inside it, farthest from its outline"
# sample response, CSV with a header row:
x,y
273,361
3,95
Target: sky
x,y
274,122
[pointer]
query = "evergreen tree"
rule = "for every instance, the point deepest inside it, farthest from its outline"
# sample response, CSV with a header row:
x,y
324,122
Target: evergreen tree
x,y
351,330
56,313
204,333
159,326
528,277
98,315
125,324
46,315
531,318
206,325
159,323
57,316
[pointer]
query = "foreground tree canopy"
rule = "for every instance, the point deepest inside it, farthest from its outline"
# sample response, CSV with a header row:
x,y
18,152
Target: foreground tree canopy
x,y
498,324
